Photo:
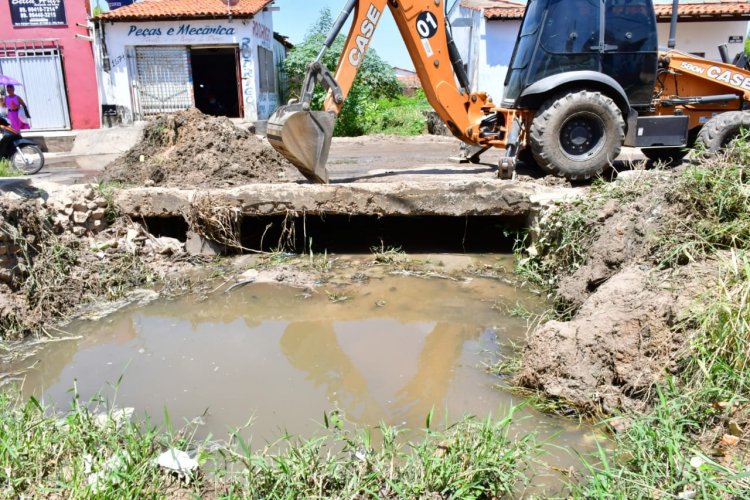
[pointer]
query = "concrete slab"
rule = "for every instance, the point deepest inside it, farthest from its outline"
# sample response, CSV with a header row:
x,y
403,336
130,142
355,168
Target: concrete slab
x,y
455,199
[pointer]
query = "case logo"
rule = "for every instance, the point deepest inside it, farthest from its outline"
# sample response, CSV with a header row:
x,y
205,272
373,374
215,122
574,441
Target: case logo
x,y
363,39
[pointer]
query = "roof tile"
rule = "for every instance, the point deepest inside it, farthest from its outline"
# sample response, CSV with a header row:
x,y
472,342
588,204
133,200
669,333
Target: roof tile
x,y
184,9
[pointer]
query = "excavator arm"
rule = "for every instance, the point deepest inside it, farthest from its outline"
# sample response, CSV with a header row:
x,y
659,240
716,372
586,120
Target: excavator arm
x,y
304,136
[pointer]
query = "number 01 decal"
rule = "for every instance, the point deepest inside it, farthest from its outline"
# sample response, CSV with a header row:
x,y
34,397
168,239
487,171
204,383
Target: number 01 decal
x,y
427,24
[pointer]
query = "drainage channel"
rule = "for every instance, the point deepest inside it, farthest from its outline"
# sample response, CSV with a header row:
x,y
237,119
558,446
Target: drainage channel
x,y
375,343
348,234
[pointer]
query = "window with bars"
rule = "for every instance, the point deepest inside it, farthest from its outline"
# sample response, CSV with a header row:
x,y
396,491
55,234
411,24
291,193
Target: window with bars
x,y
266,70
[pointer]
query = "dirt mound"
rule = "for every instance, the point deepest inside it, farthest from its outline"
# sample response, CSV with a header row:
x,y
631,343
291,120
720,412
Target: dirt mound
x,y
618,345
190,149
621,338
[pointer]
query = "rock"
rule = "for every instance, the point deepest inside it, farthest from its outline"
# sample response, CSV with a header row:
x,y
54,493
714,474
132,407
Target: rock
x,y
168,246
79,231
198,245
248,276
80,217
61,220
177,461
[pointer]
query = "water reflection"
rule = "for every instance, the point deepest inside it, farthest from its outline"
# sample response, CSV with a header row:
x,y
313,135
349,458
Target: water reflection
x,y
385,355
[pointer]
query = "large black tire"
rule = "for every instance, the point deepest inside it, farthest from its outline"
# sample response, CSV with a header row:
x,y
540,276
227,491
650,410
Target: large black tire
x,y
721,130
577,135
33,156
665,156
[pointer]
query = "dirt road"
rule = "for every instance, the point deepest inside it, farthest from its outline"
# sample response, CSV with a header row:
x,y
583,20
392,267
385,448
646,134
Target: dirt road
x,y
352,159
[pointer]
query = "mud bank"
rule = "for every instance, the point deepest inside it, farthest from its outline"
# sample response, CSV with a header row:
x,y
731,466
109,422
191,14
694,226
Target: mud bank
x,y
621,294
66,247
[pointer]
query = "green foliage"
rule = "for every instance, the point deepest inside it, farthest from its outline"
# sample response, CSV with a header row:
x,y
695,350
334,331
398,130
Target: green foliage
x,y
657,457
77,455
375,79
6,170
400,115
93,453
721,340
715,201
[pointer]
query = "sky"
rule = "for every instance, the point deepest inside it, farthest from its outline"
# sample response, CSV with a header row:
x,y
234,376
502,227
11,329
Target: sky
x,y
295,17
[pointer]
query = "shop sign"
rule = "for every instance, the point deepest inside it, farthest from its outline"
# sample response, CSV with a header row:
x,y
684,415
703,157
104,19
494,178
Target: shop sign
x,y
37,12
181,30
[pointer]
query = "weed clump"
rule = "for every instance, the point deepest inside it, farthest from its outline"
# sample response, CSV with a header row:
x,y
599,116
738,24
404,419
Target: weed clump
x,y
93,451
686,235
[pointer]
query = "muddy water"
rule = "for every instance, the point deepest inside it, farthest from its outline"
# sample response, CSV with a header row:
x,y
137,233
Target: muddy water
x,y
386,350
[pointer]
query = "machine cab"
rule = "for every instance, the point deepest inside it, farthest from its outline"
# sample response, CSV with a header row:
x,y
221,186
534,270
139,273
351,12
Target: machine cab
x,y
614,37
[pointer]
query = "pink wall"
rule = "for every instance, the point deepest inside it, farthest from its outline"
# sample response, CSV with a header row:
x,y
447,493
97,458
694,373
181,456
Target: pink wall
x,y
77,56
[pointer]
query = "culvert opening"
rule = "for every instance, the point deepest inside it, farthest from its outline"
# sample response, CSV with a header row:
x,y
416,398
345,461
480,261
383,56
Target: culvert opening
x,y
359,234
170,227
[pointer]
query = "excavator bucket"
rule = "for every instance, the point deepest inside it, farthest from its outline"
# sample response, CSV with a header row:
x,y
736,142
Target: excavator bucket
x,y
304,138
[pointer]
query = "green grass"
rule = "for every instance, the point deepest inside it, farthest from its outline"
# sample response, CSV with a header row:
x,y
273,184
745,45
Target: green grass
x,y
670,450
658,456
80,455
6,170
397,116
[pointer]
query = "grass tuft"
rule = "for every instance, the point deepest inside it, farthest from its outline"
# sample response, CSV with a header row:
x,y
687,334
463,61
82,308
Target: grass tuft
x,y
6,170
81,454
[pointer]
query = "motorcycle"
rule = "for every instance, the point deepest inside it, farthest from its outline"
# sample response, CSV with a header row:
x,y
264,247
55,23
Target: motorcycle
x,y
24,155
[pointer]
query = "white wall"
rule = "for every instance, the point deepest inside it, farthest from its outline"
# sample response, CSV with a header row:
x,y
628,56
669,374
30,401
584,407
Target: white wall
x,y
485,47
705,36
497,42
248,34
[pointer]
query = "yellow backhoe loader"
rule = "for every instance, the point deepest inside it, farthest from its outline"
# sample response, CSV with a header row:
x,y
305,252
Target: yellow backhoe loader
x,y
586,77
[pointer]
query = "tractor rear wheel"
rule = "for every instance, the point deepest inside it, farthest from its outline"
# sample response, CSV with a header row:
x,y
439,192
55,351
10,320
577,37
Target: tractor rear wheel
x,y
577,135
721,130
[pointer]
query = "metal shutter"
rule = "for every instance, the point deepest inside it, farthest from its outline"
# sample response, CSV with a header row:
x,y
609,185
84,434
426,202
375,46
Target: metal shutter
x,y
164,84
37,65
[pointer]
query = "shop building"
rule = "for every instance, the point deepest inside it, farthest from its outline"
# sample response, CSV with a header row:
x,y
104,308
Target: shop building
x,y
46,45
162,56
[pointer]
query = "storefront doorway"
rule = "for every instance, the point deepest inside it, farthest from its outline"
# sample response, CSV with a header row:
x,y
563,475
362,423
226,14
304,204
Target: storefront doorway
x,y
215,81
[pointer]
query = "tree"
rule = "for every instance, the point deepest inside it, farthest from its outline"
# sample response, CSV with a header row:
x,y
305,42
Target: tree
x,y
375,78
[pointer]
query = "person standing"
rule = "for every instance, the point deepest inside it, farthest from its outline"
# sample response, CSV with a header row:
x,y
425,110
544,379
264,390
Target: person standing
x,y
14,104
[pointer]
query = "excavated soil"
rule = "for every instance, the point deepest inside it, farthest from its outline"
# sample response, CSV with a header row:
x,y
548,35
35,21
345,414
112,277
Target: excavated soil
x,y
190,149
621,338
58,251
